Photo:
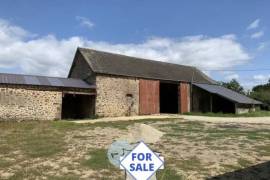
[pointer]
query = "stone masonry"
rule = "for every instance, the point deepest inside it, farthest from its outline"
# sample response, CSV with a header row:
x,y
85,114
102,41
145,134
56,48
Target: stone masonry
x,y
117,96
19,103
243,108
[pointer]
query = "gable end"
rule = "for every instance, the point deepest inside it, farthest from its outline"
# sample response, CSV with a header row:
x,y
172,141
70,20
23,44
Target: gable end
x,y
80,69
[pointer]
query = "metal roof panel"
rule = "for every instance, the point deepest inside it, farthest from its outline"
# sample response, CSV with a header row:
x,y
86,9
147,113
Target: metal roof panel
x,y
227,93
43,81
55,81
11,78
31,80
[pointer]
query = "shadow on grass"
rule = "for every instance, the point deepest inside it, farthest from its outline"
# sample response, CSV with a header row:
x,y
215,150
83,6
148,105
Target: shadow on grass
x,y
256,172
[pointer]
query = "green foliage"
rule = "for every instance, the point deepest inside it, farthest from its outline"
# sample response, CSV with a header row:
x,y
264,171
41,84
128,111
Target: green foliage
x,y
233,85
262,93
265,87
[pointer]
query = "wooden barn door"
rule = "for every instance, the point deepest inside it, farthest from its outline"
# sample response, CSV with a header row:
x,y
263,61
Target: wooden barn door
x,y
149,97
184,98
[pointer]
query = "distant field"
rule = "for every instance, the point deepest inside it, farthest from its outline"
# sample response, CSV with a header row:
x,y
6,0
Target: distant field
x,y
64,150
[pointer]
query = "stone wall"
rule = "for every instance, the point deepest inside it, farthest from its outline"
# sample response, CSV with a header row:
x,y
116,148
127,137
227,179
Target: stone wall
x,y
117,96
244,108
24,103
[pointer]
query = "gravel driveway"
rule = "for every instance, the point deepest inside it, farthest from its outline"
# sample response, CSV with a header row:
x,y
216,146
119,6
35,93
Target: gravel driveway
x,y
250,120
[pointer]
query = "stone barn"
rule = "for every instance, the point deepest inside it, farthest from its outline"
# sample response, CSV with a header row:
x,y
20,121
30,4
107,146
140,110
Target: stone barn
x,y
106,85
132,86
25,97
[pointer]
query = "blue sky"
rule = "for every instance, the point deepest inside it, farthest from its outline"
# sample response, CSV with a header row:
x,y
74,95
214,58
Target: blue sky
x,y
40,37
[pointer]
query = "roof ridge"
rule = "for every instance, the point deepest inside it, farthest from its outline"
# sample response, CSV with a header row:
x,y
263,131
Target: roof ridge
x,y
205,76
133,57
119,64
85,57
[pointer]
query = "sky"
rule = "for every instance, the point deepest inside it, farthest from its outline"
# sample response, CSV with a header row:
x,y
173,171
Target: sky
x,y
225,39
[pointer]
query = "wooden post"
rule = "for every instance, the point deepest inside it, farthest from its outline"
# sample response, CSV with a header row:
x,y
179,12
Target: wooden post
x,y
211,103
191,92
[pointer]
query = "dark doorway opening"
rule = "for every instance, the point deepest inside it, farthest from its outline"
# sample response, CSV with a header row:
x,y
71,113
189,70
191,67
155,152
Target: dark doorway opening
x,y
200,100
223,105
77,106
203,101
168,98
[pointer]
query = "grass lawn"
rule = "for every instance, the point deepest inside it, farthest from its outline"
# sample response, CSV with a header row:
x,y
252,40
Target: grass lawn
x,y
65,150
250,114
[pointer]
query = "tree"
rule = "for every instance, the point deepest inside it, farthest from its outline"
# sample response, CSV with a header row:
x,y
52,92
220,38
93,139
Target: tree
x,y
262,93
233,85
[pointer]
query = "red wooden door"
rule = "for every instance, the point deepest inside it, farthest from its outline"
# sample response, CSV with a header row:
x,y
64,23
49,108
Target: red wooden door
x,y
184,97
149,97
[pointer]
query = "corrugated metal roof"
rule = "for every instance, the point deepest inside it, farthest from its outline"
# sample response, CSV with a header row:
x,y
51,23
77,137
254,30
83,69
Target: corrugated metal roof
x,y
116,64
17,79
227,93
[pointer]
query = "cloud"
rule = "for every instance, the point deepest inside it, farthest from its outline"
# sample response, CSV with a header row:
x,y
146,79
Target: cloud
x,y
261,77
85,22
257,35
255,24
248,85
262,46
231,76
27,53
10,34
49,55
201,51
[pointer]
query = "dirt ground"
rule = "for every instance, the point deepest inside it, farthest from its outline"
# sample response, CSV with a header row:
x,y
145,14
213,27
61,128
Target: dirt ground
x,y
192,149
250,120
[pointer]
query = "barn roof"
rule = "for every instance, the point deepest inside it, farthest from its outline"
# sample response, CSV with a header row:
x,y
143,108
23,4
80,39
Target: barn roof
x,y
116,64
227,93
17,79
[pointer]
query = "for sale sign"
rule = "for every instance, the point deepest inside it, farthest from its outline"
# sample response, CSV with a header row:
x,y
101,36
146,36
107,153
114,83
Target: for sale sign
x,y
141,162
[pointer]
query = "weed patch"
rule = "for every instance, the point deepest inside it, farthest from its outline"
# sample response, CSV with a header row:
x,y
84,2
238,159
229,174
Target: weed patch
x,y
263,150
244,162
98,160
168,173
